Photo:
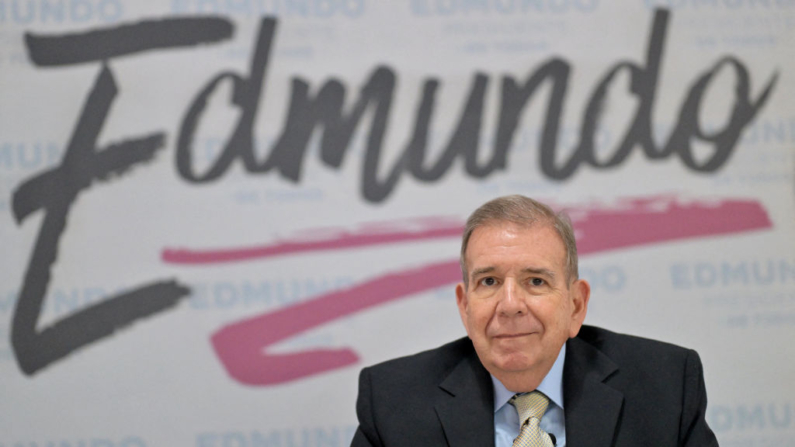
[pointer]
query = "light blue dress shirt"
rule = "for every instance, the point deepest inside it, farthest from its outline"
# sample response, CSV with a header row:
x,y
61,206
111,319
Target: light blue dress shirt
x,y
506,419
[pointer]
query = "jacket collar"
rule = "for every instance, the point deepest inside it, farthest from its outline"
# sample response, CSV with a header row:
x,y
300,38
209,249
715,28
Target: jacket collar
x,y
592,407
466,407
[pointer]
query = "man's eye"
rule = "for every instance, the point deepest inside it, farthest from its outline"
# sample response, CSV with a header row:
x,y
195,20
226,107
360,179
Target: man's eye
x,y
537,282
488,281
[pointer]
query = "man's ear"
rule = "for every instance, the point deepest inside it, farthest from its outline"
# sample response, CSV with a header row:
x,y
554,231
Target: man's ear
x,y
580,294
462,302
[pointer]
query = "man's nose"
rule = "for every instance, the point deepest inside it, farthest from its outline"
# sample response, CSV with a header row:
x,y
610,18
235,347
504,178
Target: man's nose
x,y
511,302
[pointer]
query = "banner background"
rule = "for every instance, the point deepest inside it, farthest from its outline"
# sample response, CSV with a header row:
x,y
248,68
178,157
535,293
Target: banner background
x,y
723,285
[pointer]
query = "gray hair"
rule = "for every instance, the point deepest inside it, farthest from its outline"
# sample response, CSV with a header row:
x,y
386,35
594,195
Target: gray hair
x,y
526,212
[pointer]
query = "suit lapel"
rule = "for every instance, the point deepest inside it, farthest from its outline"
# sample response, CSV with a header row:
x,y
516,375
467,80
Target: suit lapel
x,y
466,408
592,407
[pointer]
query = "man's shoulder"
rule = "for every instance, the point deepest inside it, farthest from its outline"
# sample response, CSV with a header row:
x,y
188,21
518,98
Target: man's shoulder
x,y
658,386
633,351
607,340
402,401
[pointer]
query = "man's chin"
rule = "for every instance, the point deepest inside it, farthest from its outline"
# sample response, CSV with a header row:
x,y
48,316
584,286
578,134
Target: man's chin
x,y
514,363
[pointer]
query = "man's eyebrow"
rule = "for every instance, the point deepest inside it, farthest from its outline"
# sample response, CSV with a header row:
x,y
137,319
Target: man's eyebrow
x,y
540,271
481,271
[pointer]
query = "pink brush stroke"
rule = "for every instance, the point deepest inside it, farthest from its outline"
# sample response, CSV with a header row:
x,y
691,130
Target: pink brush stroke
x,y
242,346
662,219
373,234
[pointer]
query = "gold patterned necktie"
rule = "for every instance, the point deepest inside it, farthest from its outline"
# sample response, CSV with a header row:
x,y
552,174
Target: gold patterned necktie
x,y
531,407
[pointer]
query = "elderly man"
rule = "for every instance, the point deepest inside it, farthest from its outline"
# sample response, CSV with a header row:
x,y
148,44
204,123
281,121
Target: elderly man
x,y
529,373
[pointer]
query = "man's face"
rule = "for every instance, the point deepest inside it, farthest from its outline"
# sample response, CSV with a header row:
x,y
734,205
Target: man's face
x,y
518,305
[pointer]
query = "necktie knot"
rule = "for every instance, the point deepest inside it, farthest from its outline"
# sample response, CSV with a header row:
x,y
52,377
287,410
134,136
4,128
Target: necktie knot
x,y
531,408
530,405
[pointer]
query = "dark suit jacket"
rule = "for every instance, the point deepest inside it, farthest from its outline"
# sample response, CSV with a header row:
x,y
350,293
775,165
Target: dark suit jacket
x,y
618,390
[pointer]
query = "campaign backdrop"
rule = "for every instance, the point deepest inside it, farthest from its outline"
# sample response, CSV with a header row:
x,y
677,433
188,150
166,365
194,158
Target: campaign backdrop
x,y
214,213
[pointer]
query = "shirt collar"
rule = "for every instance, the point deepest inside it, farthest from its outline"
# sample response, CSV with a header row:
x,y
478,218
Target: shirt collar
x,y
551,386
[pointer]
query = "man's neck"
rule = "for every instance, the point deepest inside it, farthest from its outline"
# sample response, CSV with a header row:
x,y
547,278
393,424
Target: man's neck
x,y
551,384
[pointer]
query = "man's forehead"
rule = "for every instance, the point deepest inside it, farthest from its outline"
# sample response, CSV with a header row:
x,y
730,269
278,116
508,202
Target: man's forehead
x,y
484,240
523,231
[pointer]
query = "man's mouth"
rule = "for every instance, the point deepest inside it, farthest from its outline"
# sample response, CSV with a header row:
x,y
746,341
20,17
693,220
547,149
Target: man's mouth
x,y
510,336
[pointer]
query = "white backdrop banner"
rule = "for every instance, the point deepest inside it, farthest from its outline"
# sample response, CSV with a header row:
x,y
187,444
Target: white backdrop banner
x,y
214,213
